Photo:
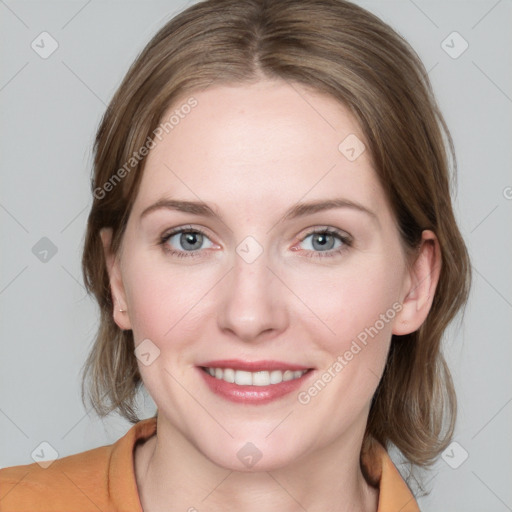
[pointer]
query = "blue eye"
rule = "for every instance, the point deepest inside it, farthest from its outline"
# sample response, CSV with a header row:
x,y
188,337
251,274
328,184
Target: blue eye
x,y
190,240
323,243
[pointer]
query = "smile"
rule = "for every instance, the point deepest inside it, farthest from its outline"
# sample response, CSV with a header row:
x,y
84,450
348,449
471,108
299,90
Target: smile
x,y
260,378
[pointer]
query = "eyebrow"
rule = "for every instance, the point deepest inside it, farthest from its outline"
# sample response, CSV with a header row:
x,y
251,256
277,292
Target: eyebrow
x,y
298,210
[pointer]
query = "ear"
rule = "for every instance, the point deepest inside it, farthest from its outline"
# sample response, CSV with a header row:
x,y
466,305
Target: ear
x,y
120,309
420,285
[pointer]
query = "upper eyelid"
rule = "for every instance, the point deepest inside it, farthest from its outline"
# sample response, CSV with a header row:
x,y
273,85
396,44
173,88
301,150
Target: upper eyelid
x,y
328,229
181,229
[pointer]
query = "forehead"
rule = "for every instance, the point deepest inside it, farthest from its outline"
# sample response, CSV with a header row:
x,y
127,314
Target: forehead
x,y
268,142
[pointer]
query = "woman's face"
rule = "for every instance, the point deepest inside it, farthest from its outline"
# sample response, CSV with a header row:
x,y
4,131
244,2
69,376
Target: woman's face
x,y
250,286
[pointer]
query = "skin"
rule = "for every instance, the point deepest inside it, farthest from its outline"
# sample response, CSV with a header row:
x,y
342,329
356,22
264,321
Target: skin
x,y
252,152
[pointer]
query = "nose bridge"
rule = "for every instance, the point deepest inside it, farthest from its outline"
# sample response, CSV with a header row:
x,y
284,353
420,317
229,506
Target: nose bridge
x,y
252,302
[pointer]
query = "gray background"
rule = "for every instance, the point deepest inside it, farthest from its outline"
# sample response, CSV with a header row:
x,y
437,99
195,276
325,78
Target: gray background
x,y
50,109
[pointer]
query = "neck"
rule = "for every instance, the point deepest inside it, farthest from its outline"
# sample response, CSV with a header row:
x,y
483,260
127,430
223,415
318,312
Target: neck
x,y
172,475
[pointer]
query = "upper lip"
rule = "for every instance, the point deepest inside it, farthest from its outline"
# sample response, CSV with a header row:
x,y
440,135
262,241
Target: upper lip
x,y
254,366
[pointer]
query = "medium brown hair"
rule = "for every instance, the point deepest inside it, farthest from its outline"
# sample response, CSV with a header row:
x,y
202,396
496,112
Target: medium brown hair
x,y
333,47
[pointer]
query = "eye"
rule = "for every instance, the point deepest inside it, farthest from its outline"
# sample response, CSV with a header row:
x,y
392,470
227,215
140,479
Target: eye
x,y
330,241
184,242
322,242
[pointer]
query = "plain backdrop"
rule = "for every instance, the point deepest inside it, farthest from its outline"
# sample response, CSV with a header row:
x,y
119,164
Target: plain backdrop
x,y
50,110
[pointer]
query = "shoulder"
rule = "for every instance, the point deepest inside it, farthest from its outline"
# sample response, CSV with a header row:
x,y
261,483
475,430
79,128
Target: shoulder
x,y
79,479
99,479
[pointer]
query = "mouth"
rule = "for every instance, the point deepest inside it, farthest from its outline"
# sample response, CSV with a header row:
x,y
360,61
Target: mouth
x,y
256,382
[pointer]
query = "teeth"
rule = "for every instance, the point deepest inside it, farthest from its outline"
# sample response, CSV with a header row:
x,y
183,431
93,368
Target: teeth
x,y
263,378
241,378
229,375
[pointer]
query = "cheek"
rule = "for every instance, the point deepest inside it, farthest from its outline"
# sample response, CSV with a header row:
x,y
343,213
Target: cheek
x,y
163,299
355,300
145,293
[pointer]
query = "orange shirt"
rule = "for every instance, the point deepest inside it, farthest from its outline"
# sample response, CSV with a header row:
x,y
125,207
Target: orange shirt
x,y
103,479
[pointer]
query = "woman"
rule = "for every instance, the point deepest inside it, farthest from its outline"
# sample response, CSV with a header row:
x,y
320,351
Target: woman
x,y
275,256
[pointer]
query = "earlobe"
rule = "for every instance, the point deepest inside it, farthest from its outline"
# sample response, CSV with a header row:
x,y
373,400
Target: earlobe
x,y
120,313
421,286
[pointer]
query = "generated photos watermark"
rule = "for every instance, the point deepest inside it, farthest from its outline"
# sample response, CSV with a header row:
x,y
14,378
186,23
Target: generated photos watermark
x,y
357,345
137,156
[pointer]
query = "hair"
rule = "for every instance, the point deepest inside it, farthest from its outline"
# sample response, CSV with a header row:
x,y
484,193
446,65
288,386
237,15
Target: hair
x,y
332,47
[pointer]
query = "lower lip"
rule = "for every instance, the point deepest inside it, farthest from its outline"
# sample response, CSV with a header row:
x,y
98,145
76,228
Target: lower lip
x,y
252,394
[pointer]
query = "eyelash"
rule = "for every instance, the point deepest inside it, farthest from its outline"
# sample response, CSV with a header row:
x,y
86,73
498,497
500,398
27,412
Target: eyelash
x,y
344,238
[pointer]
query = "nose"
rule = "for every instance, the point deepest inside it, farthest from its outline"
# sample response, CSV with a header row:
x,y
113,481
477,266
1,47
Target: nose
x,y
252,306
